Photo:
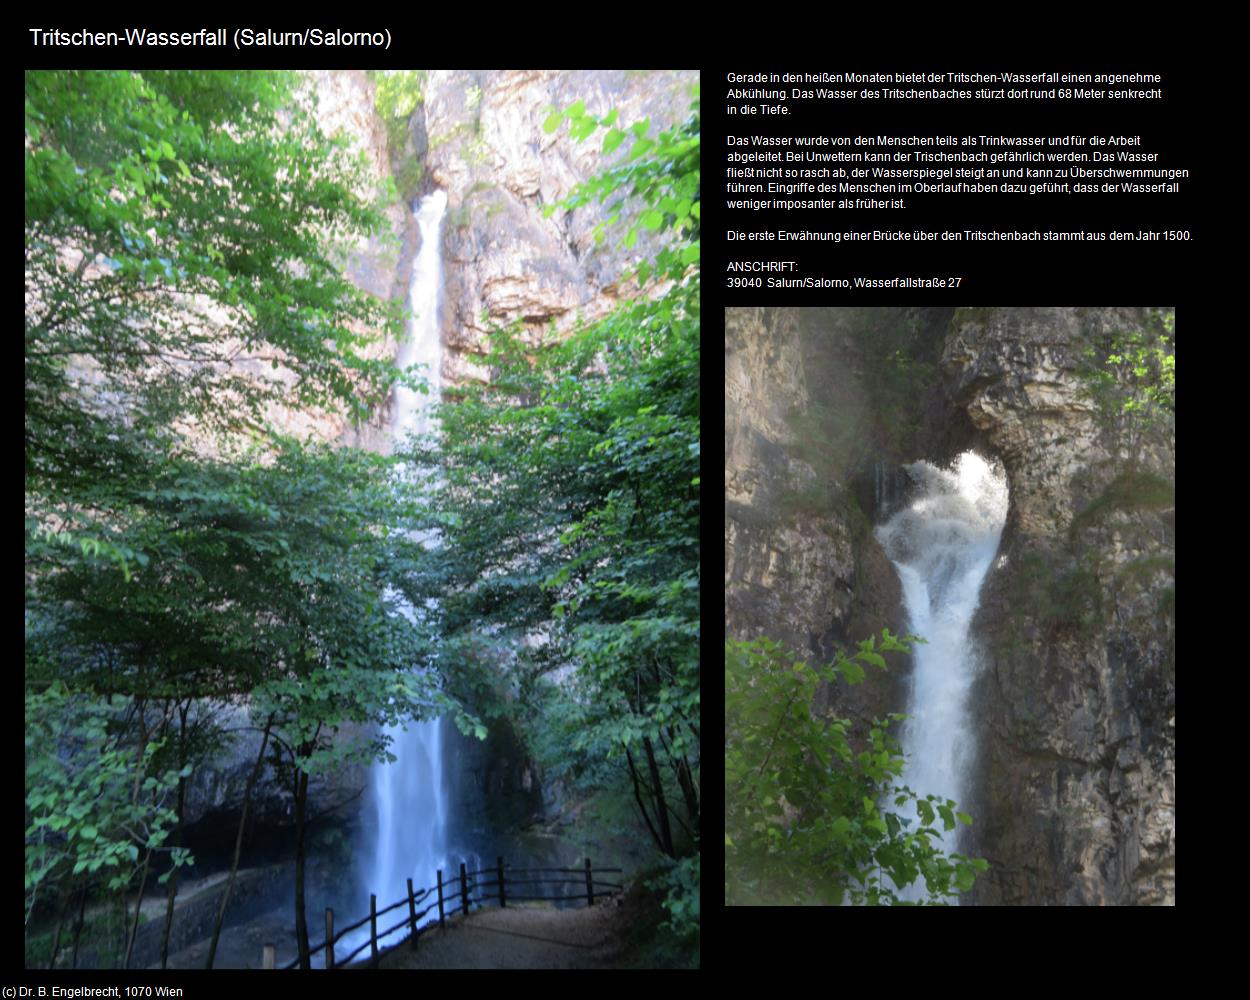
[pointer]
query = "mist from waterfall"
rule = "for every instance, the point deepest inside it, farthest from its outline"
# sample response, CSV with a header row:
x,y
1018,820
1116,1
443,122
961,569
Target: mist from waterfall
x,y
942,542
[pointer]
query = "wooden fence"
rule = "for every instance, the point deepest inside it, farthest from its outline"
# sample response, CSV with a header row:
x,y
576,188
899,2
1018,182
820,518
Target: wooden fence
x,y
470,889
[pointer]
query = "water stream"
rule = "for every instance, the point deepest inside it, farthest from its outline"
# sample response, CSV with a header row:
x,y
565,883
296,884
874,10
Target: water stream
x,y
942,543
408,796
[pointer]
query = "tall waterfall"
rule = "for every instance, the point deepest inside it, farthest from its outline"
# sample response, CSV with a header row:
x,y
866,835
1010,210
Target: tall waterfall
x,y
409,796
942,543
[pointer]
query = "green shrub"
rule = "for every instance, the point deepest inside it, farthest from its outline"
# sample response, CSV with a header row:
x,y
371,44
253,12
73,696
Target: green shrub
x,y
807,819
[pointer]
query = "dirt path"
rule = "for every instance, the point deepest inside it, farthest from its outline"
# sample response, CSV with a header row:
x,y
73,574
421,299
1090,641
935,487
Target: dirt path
x,y
520,938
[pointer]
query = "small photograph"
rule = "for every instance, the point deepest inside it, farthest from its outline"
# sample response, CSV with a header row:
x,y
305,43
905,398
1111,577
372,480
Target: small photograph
x,y
362,519
950,658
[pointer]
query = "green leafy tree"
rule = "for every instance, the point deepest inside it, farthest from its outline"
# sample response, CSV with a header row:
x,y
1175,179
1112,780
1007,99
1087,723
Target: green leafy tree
x,y
185,240
654,186
185,235
567,500
808,819
1130,378
94,800
274,579
181,223
576,518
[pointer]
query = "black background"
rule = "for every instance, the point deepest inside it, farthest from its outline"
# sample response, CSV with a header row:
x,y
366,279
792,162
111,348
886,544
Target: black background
x,y
1189,127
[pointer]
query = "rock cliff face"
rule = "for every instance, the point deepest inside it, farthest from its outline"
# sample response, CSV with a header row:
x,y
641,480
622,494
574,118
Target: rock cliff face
x,y
1075,781
801,564
481,139
1077,773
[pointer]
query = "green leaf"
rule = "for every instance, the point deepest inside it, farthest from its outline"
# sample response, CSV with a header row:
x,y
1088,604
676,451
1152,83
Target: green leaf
x,y
640,147
852,671
612,140
552,121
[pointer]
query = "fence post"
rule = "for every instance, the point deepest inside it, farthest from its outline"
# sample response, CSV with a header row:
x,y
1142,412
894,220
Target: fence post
x,y
373,930
590,889
502,900
464,891
267,956
329,938
440,899
412,916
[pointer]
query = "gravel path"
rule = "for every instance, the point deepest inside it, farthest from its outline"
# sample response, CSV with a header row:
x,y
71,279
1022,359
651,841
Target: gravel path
x,y
520,938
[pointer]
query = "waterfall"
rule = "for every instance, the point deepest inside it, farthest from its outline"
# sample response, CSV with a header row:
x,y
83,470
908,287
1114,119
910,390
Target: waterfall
x,y
942,543
409,798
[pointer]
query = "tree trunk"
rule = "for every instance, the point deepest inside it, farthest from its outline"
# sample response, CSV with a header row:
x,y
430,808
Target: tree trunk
x,y
134,926
301,921
60,923
82,915
182,798
688,792
642,808
238,847
661,807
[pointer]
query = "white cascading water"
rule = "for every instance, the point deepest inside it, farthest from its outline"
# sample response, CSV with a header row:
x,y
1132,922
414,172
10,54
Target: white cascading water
x,y
942,543
409,795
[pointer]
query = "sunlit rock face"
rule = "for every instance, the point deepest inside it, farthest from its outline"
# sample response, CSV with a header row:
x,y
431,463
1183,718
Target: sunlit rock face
x,y
478,136
486,147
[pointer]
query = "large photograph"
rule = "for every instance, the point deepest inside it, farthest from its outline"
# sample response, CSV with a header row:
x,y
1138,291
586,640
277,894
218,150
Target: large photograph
x,y
361,519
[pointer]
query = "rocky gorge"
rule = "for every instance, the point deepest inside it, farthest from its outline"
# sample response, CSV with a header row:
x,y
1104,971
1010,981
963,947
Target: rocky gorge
x,y
1072,701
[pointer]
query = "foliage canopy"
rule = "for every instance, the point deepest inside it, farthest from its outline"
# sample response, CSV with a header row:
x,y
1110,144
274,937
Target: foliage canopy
x,y
186,235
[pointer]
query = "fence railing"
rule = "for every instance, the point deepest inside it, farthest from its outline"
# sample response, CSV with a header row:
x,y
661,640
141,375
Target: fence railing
x,y
488,885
